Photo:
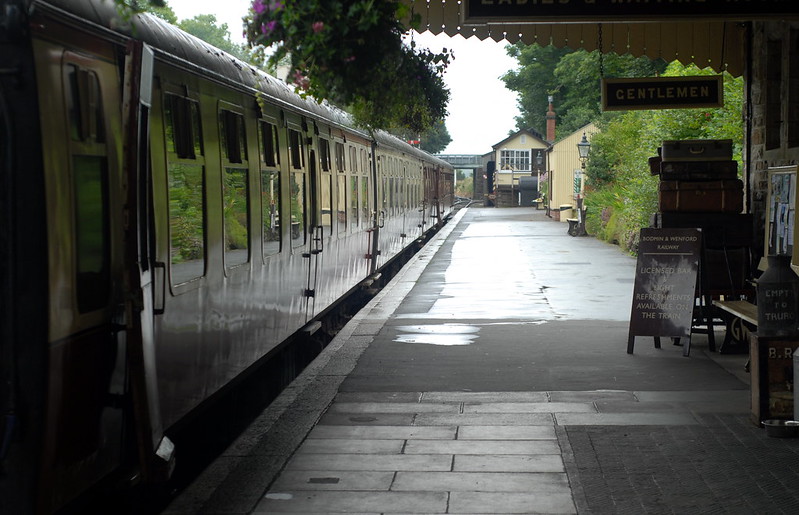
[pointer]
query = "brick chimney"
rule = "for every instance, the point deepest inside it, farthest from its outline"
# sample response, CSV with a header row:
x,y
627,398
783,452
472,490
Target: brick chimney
x,y
550,122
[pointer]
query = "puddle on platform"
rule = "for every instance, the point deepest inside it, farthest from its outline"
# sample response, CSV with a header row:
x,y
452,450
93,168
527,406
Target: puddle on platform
x,y
440,334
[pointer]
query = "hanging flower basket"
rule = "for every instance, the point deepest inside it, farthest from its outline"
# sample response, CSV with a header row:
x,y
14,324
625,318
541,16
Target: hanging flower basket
x,y
353,54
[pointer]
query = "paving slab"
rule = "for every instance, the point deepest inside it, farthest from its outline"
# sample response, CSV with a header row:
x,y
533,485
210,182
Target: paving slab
x,y
354,502
363,462
508,463
485,447
385,432
342,446
492,502
481,482
506,433
294,480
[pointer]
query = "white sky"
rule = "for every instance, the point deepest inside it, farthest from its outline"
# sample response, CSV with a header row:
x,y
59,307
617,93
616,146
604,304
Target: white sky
x,y
481,110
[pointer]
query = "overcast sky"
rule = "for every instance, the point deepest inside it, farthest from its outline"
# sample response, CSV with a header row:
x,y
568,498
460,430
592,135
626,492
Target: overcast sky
x,y
481,110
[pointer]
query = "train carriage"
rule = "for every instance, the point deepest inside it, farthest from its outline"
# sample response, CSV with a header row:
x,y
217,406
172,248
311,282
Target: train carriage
x,y
170,218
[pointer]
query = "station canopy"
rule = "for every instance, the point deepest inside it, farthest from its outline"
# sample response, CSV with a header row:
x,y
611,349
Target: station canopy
x,y
696,35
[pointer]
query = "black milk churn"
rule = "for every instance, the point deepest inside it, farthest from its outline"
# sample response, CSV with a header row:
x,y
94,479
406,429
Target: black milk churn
x,y
778,299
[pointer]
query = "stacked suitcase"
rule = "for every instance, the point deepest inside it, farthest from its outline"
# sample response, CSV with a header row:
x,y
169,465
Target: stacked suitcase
x,y
698,176
699,187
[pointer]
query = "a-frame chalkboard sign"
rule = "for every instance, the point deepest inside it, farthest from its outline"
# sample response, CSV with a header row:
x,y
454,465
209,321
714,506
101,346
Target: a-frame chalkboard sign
x,y
665,285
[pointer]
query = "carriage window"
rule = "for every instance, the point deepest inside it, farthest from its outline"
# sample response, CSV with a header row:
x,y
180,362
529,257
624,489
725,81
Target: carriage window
x,y
183,134
270,190
353,193
269,144
295,147
84,107
186,221
234,147
297,209
91,232
340,157
326,201
341,204
365,200
236,197
324,154
353,160
235,188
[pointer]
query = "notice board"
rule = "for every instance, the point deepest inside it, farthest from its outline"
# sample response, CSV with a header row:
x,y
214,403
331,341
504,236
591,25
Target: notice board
x,y
665,284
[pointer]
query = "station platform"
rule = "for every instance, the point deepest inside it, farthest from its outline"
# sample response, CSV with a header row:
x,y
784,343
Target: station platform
x,y
491,376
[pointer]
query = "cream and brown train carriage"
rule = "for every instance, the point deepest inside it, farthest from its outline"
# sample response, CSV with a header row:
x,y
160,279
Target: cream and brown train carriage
x,y
169,218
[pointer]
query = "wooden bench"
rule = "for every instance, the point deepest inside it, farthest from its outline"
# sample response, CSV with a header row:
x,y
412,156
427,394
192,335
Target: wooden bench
x,y
741,311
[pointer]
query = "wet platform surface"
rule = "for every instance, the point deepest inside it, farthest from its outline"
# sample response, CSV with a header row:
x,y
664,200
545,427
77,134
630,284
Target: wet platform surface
x,y
491,376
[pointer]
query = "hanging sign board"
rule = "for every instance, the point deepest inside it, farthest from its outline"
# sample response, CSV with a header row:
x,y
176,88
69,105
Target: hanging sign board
x,y
665,285
593,11
662,93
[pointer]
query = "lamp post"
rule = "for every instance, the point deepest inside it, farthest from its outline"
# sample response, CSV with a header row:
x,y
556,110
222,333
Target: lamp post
x,y
583,148
539,161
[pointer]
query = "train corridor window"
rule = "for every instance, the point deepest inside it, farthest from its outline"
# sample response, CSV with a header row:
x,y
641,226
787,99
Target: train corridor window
x,y
83,105
325,187
270,189
235,189
297,188
324,155
90,188
186,189
365,211
353,194
92,246
297,209
340,157
341,204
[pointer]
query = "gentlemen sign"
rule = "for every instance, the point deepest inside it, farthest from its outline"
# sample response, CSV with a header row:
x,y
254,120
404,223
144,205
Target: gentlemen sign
x,y
662,93
665,285
531,11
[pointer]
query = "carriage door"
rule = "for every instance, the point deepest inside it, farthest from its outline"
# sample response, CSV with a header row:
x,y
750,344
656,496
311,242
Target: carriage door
x,y
155,449
302,206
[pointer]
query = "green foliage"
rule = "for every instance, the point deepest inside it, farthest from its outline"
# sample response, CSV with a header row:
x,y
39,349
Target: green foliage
x,y
352,52
622,194
204,26
433,140
572,78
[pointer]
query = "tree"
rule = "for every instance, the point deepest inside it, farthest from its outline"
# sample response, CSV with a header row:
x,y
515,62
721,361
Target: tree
x,y
433,140
533,81
204,26
572,78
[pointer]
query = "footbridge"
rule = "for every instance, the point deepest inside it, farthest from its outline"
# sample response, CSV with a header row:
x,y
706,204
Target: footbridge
x,y
463,161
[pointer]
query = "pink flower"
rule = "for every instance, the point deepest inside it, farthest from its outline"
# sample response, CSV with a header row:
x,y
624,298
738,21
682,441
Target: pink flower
x,y
318,26
275,5
349,59
258,6
301,80
268,27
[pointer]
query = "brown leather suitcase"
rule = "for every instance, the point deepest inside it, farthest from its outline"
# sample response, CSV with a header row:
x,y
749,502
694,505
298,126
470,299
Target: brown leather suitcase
x,y
702,196
698,170
697,150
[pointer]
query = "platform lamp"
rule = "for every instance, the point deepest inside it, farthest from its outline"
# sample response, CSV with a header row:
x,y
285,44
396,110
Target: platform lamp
x,y
539,162
583,148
